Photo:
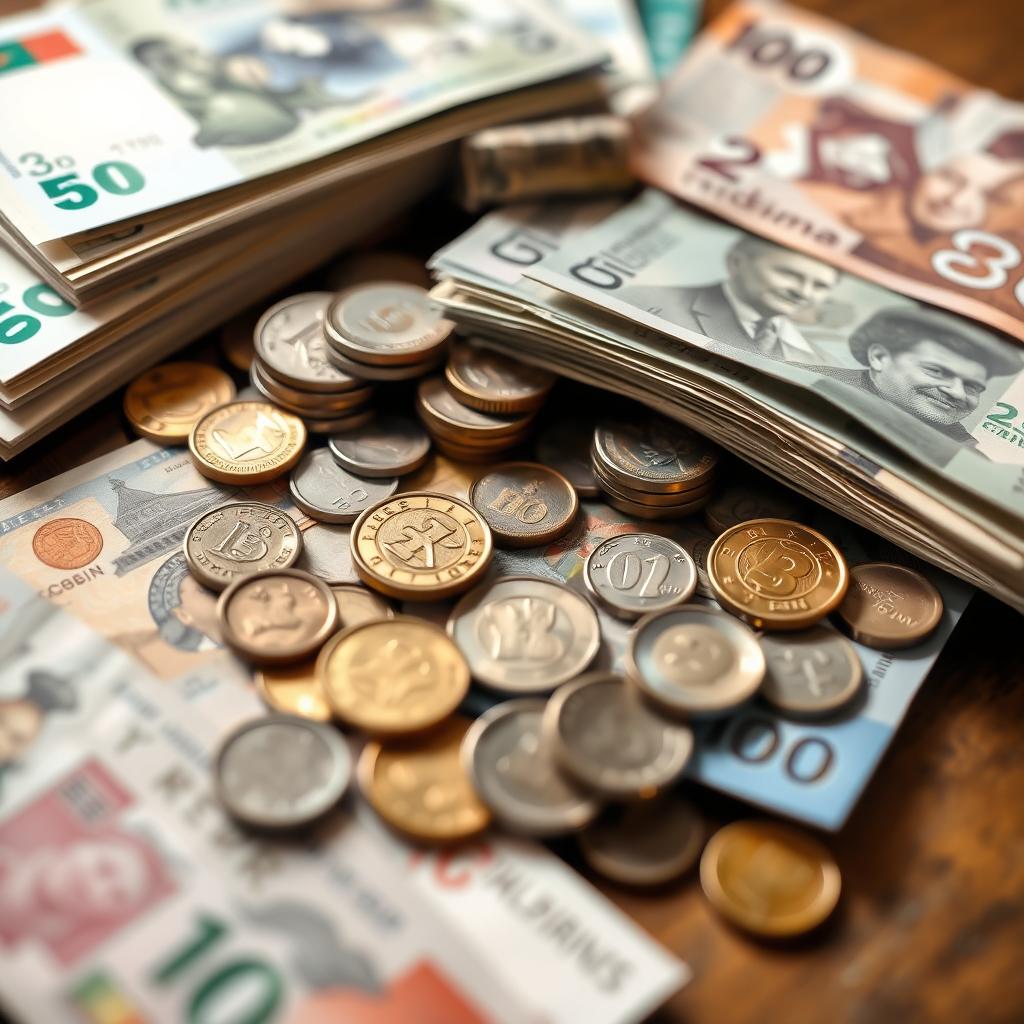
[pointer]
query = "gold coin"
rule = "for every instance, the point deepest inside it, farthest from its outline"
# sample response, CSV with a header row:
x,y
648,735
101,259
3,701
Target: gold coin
x,y
357,605
421,546
165,402
294,690
890,606
493,382
393,677
769,879
422,789
246,442
525,504
777,574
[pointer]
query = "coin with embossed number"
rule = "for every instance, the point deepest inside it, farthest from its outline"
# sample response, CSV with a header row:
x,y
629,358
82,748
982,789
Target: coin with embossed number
x,y
813,672
326,491
386,446
493,382
656,455
525,504
636,573
165,402
294,690
890,606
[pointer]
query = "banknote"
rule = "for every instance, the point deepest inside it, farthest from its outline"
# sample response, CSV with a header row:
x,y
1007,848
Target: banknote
x,y
669,26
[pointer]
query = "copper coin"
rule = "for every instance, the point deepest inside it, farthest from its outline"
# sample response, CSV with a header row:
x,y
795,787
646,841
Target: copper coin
x,y
492,382
303,402
446,417
471,453
164,403
294,690
890,606
525,504
357,605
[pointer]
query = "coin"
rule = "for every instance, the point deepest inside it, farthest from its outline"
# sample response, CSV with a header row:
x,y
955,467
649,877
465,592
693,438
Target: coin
x,y
656,455
691,498
890,606
317,403
339,424
743,501
164,403
513,771
246,443
421,546
281,772
375,372
694,661
294,690
239,539
565,447
421,788
386,446
769,879
650,842
327,554
524,504
652,512
277,617
393,677
777,574
236,340
325,491
492,382
525,635
636,573
357,605
446,417
813,672
377,266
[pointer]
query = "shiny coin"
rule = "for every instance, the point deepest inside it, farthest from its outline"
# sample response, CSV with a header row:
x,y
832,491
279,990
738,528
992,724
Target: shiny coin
x,y
375,372
421,788
393,677
327,554
363,267
357,605
236,341
525,635
421,546
769,879
890,606
604,736
695,661
239,539
565,447
525,504
165,402
492,382
777,574
281,772
294,690
386,446
514,773
738,503
637,573
446,417
687,500
647,843
277,617
246,443
301,402
656,455
325,491
813,672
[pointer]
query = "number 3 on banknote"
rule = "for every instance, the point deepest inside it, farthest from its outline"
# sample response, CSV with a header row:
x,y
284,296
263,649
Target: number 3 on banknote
x,y
980,260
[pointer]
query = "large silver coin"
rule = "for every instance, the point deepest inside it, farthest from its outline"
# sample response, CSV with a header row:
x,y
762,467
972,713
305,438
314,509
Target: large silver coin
x,y
325,491
513,772
813,672
386,446
607,739
281,771
565,446
656,455
637,573
525,635
695,661
327,554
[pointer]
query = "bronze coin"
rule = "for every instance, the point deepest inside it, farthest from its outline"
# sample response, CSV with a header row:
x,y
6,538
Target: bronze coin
x,y
492,382
525,504
890,606
448,418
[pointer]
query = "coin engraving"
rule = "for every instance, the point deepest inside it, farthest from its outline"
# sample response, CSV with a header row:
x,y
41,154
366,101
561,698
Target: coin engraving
x,y
813,672
67,543
525,504
890,606
246,442
164,403
326,491
638,573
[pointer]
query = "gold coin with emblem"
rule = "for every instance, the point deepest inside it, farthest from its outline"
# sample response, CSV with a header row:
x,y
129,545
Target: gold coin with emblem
x,y
165,402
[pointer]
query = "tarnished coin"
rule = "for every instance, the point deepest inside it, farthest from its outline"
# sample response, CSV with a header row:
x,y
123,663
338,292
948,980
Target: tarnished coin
x,y
281,772
565,446
421,546
294,690
637,573
492,382
386,446
421,788
514,773
741,502
646,843
657,455
813,672
446,417
525,504
769,879
525,635
165,402
277,617
890,606
327,554
239,539
777,574
246,442
694,661
393,677
362,267
357,605
325,491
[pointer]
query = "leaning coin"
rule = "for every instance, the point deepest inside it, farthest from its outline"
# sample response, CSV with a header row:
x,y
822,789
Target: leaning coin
x,y
525,635
326,554
813,672
741,502
294,690
514,773
657,454
493,382
525,504
357,605
325,491
890,606
277,617
165,402
565,446
239,539
769,878
607,739
637,573
281,772
386,446
694,661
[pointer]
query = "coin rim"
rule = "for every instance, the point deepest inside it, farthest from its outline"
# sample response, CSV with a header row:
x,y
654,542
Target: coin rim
x,y
378,472
603,459
481,400
875,640
802,709
533,540
177,437
315,511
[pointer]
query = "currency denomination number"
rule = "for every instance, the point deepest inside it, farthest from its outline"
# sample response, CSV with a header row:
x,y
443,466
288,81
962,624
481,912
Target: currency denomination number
x,y
521,505
69,192
758,740
767,47
20,326
626,573
979,260
522,247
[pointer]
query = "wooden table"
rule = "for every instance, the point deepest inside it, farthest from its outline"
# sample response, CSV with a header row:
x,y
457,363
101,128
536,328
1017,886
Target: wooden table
x,y
931,926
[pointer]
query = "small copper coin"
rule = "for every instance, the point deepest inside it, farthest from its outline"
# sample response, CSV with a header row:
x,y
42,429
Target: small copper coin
x,y
294,690
890,606
769,879
492,382
357,605
525,504
165,402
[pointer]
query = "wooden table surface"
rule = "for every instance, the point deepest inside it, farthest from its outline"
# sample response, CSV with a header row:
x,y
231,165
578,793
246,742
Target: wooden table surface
x,y
931,924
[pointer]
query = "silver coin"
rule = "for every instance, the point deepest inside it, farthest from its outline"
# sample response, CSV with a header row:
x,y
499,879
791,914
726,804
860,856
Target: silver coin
x,y
525,635
608,740
760,500
813,672
327,554
350,421
637,573
656,455
236,540
695,661
386,446
331,494
404,371
281,771
514,773
318,402
565,446
647,843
